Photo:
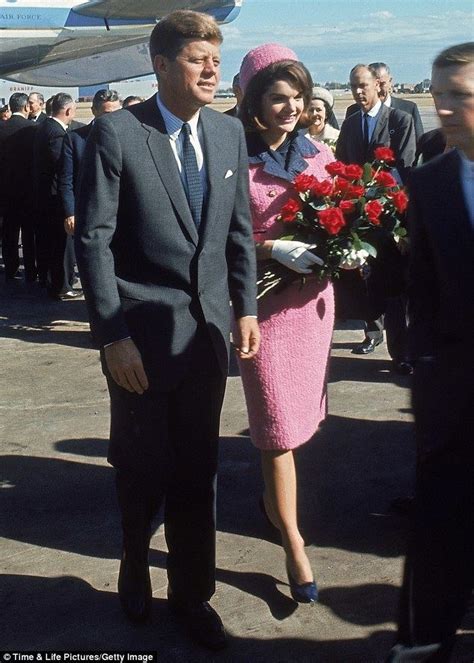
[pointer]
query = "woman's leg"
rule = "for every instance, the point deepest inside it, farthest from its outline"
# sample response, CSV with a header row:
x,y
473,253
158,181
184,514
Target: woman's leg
x,y
279,474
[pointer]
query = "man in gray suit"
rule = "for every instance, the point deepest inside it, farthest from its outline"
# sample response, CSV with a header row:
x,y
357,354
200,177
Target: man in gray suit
x,y
384,77
164,241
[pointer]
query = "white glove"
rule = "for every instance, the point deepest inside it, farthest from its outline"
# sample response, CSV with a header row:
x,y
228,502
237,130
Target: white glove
x,y
295,255
353,259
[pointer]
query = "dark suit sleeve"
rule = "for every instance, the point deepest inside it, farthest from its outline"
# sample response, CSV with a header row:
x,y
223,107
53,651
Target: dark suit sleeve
x,y
96,220
423,288
66,176
418,123
240,250
402,141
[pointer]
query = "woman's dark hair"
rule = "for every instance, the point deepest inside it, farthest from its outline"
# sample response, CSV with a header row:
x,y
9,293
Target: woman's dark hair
x,y
295,73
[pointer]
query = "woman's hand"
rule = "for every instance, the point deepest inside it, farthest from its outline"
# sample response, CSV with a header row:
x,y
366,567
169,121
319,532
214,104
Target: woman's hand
x,y
295,255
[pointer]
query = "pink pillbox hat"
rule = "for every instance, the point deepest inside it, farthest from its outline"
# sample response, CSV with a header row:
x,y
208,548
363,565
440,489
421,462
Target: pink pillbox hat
x,y
259,58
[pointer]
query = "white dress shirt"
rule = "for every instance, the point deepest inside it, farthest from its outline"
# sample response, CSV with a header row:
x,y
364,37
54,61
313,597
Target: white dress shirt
x,y
173,127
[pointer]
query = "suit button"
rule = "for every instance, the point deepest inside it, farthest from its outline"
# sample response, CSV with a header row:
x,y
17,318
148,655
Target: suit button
x,y
272,193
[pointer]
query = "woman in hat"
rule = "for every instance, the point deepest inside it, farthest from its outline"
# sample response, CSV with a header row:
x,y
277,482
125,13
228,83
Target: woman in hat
x,y
285,385
318,117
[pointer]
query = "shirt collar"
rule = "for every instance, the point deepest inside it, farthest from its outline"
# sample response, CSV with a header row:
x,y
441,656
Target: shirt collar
x,y
64,126
373,112
388,101
173,124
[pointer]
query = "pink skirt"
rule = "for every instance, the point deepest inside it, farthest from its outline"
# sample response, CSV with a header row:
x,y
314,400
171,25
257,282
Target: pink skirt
x,y
285,384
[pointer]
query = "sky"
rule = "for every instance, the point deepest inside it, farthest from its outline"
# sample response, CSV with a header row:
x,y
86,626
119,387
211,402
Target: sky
x,y
330,36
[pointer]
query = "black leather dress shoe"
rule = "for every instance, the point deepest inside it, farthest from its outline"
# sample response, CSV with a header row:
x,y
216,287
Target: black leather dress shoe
x,y
367,346
134,588
202,622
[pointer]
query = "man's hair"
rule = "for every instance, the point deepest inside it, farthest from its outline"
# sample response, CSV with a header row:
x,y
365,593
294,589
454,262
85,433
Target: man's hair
x,y
39,95
376,68
295,73
356,68
131,99
17,102
103,96
59,102
170,34
459,54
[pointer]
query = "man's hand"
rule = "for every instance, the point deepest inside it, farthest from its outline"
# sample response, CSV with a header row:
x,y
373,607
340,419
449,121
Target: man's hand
x,y
69,225
247,337
125,365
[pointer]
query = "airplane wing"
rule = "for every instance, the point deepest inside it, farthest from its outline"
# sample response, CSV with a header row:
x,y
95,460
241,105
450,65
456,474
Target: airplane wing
x,y
78,62
141,9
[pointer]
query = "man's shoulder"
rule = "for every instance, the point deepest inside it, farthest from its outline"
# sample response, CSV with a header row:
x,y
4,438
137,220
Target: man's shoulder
x,y
435,168
404,105
220,119
398,115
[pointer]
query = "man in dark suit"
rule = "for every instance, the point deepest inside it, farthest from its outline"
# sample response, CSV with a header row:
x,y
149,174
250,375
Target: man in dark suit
x,y
163,241
384,76
16,156
104,101
439,569
53,263
372,126
36,106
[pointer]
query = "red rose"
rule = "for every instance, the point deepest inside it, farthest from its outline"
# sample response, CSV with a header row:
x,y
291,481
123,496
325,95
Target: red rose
x,y
290,209
332,220
336,168
400,201
321,189
374,209
347,206
341,185
384,154
385,179
354,172
303,182
354,191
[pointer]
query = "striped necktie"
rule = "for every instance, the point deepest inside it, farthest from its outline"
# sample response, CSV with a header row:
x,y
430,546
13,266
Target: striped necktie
x,y
194,190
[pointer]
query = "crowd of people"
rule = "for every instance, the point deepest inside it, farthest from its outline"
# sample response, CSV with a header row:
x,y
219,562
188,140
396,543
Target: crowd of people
x,y
41,145
169,228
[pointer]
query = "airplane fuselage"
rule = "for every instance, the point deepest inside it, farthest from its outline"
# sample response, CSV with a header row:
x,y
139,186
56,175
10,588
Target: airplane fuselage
x,y
37,39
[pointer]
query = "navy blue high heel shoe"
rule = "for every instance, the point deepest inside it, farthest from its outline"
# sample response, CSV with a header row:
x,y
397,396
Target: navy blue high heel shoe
x,y
307,592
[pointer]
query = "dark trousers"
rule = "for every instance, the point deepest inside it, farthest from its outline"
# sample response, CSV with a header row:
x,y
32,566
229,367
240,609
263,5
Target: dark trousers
x,y
395,322
165,447
51,242
14,221
439,569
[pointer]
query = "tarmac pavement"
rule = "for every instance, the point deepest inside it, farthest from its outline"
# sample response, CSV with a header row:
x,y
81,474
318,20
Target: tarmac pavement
x,y
60,527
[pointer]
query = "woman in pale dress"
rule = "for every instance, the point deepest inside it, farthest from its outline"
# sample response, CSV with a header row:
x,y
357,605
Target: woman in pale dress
x,y
318,117
285,385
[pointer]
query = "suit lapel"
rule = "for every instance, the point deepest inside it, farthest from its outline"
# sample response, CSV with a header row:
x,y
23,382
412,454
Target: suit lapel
x,y
380,134
215,159
359,147
165,162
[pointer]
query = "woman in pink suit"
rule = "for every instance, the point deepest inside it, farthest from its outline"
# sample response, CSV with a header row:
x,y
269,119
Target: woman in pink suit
x,y
285,385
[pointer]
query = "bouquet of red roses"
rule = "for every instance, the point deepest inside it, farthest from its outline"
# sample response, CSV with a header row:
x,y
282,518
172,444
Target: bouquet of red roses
x,y
341,217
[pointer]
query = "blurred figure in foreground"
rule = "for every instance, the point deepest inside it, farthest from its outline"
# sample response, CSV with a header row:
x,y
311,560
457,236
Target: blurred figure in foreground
x,y
439,569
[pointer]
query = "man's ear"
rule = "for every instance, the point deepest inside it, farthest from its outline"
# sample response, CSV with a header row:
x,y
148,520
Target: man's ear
x,y
160,65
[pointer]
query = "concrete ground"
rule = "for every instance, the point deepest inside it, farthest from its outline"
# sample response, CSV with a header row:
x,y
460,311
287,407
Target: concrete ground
x,y
60,528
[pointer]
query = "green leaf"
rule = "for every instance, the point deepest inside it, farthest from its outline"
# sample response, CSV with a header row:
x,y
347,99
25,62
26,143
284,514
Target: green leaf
x,y
371,250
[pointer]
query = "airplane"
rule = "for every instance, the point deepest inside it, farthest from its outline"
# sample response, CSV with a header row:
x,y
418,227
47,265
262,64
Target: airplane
x,y
75,42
